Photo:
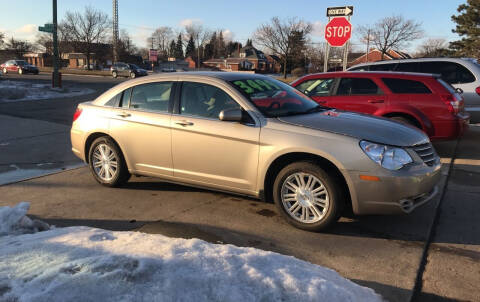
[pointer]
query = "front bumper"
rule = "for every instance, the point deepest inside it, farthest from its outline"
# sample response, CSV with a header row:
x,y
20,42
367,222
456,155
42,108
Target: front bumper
x,y
397,192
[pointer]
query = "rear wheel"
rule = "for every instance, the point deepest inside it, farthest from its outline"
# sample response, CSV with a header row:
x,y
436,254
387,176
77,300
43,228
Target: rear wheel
x,y
4,70
107,163
404,120
308,197
20,71
133,75
114,74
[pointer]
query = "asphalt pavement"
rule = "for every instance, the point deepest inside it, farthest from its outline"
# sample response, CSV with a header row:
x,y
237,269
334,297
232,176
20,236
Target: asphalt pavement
x,y
382,252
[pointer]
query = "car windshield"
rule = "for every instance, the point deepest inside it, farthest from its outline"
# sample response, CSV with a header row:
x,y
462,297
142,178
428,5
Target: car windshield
x,y
134,66
274,98
21,63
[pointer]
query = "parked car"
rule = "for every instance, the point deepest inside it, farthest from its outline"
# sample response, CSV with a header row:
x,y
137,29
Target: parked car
x,y
127,70
421,100
18,66
462,73
253,135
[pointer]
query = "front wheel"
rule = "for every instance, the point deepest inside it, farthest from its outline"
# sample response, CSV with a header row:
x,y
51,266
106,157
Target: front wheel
x,y
107,164
4,70
114,74
20,71
133,75
308,197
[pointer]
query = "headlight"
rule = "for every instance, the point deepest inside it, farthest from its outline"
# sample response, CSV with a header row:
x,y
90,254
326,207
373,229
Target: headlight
x,y
391,158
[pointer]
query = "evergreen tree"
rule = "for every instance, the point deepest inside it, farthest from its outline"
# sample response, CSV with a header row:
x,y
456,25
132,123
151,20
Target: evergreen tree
x,y
179,48
190,50
171,50
233,47
249,43
468,27
213,46
221,46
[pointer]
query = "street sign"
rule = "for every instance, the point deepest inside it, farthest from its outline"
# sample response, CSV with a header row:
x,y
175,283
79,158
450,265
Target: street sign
x,y
340,11
338,31
48,28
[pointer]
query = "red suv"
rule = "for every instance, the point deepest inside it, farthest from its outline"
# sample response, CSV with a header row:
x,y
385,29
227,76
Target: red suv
x,y
421,100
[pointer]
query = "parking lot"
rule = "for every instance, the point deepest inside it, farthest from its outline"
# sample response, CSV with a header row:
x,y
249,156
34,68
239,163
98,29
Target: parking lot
x,y
382,252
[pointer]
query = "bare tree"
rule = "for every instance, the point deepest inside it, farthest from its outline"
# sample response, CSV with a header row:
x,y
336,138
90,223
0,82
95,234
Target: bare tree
x,y
19,47
200,35
392,33
86,30
160,39
434,48
279,36
2,36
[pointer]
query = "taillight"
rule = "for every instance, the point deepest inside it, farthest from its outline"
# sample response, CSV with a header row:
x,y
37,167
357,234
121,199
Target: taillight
x,y
477,90
77,114
454,104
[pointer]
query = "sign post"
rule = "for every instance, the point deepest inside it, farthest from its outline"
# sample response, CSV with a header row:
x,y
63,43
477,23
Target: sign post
x,y
337,32
52,29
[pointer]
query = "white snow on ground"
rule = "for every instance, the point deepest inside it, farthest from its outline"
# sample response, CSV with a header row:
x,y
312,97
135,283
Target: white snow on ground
x,y
88,264
14,91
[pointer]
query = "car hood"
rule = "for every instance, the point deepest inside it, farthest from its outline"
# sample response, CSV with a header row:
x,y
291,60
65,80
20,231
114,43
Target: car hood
x,y
361,126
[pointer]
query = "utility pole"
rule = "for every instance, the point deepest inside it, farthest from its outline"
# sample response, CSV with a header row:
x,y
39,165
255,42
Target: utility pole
x,y
115,31
56,76
368,45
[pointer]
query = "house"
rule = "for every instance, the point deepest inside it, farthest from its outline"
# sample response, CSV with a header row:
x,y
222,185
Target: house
x,y
375,55
39,59
247,58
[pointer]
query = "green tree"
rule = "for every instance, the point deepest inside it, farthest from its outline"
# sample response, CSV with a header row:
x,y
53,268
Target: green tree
x,y
249,42
171,50
221,46
190,50
468,27
179,47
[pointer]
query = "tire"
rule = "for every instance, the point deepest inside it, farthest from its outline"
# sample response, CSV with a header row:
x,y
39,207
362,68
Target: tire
x,y
114,74
404,120
20,71
4,71
296,202
132,75
98,162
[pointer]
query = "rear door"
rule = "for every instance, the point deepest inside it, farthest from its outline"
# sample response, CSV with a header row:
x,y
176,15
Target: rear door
x,y
141,126
358,94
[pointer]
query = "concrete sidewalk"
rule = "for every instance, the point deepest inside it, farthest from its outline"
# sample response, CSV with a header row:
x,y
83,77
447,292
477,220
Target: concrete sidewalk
x,y
453,267
31,148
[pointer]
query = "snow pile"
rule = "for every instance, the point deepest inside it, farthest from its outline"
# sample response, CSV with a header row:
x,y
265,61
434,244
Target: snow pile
x,y
87,264
12,91
13,221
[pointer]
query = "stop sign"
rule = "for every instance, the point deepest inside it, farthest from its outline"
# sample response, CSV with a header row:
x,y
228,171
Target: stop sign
x,y
338,31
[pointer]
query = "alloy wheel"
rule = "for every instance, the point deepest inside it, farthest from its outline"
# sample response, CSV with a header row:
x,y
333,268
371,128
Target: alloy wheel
x,y
105,162
305,198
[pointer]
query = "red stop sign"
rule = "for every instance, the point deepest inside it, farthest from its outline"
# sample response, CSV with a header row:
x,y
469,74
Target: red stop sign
x,y
338,31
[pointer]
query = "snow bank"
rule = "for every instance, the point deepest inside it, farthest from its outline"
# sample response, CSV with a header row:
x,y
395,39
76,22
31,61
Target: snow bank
x,y
87,264
13,221
13,91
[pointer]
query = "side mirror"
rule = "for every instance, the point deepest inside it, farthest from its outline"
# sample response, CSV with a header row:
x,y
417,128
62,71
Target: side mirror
x,y
231,115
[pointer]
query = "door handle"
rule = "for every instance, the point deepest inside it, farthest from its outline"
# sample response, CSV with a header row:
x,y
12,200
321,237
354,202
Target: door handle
x,y
184,123
124,114
375,101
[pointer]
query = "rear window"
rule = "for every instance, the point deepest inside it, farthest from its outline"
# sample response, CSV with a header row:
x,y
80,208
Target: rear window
x,y
452,73
405,86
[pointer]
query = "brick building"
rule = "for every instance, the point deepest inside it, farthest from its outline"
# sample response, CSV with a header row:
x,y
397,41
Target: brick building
x,y
247,58
376,55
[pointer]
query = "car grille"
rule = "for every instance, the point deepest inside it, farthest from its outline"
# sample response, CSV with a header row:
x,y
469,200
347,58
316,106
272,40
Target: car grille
x,y
426,153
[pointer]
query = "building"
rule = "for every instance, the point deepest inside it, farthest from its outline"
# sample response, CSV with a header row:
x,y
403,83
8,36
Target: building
x,y
39,59
375,55
248,58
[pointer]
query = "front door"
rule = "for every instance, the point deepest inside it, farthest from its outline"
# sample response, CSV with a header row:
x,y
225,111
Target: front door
x,y
208,151
141,126
358,95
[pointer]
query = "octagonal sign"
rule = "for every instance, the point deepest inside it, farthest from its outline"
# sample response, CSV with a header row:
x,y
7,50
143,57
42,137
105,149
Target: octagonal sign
x,y
338,31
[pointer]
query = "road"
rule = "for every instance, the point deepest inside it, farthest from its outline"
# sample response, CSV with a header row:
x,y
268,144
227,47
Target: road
x,y
385,253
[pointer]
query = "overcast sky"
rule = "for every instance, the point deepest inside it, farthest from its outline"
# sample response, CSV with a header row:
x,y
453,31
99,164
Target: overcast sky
x,y
238,19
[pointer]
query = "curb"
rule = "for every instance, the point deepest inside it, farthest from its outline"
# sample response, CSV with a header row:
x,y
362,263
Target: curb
x,y
52,172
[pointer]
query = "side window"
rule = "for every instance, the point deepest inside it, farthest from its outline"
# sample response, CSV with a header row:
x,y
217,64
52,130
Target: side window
x,y
405,86
357,86
126,98
318,87
115,101
204,100
451,72
407,67
151,96
383,67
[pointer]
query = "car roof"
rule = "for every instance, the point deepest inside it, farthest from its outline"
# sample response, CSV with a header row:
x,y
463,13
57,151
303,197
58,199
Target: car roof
x,y
416,60
340,74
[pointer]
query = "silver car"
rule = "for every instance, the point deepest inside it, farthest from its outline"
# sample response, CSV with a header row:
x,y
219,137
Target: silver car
x,y
461,73
253,135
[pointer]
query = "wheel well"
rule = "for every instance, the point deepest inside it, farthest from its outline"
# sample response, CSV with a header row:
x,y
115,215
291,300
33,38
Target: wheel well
x,y
286,159
93,137
406,116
